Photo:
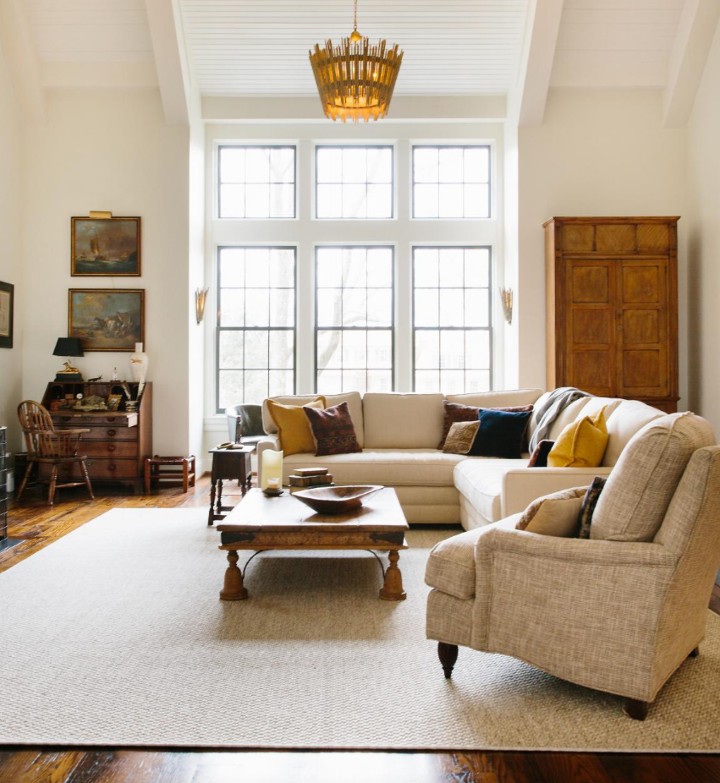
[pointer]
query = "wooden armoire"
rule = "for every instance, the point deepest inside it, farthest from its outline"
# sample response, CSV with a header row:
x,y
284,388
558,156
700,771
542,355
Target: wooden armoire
x,y
612,307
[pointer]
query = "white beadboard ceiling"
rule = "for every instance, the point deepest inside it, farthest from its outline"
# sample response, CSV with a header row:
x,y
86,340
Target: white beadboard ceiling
x,y
259,48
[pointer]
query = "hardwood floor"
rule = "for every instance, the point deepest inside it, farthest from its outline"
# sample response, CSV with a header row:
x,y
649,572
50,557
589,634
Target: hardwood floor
x,y
37,526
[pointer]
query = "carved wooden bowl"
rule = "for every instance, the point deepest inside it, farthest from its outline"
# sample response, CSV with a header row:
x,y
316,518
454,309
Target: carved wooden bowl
x,y
336,500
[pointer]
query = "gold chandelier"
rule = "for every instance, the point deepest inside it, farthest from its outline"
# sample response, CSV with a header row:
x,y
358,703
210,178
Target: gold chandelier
x,y
355,80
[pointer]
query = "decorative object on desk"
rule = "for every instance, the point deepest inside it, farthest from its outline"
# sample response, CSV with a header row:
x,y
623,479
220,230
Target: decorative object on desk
x,y
355,80
107,319
92,402
113,402
506,297
336,500
68,346
102,245
138,367
272,467
7,306
200,297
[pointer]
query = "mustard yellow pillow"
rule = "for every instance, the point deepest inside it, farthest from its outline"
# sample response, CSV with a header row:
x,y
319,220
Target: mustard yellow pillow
x,y
581,444
293,428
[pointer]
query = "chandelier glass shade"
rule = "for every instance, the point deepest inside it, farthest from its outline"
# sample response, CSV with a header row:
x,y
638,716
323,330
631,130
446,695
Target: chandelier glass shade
x,y
355,79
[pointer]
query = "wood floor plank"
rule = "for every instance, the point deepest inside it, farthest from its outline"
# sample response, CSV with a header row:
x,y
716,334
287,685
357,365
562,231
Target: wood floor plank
x,y
39,525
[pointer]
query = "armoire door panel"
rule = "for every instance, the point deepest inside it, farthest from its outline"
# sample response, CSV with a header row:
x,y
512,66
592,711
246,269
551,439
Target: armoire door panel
x,y
642,283
593,371
589,283
642,327
645,373
590,326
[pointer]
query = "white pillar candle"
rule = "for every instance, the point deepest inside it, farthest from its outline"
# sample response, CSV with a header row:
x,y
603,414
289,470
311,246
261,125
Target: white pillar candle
x,y
272,468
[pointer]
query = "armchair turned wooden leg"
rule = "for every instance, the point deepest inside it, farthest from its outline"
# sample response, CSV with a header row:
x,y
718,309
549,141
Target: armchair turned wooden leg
x,y
636,709
447,653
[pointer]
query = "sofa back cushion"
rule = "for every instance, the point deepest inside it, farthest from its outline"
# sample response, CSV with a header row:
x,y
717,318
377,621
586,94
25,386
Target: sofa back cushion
x,y
641,485
497,399
402,421
627,418
353,399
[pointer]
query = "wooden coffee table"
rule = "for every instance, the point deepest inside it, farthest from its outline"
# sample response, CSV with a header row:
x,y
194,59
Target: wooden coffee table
x,y
259,523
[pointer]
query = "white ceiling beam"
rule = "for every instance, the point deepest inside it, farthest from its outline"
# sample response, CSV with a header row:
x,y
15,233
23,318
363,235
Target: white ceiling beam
x,y
528,99
21,57
180,99
687,59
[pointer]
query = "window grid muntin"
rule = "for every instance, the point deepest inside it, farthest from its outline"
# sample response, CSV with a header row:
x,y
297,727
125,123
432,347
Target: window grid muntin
x,y
269,181
363,376
484,181
343,185
271,330
479,378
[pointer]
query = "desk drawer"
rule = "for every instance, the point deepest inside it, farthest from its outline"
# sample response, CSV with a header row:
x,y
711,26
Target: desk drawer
x,y
108,448
110,433
114,420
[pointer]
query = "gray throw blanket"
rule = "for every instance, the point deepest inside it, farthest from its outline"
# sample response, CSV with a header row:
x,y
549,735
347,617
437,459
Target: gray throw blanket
x,y
545,415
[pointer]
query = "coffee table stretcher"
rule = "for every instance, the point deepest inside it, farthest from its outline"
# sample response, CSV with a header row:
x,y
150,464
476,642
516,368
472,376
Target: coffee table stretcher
x,y
379,526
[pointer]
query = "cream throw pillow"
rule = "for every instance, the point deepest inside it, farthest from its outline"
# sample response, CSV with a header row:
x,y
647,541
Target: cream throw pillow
x,y
293,427
554,515
581,444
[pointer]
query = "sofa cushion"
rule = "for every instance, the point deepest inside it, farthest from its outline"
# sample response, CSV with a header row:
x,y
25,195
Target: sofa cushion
x,y
539,457
622,423
402,421
581,444
292,425
497,399
480,481
332,430
461,437
501,433
353,399
456,413
640,487
554,515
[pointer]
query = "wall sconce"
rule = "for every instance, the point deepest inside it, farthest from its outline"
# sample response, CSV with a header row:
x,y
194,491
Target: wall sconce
x,y
200,297
506,297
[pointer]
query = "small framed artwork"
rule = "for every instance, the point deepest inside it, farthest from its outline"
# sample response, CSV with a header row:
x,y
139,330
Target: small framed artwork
x,y
113,401
105,246
7,306
107,319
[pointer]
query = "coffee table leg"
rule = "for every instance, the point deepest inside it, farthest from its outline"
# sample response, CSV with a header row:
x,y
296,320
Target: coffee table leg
x,y
233,588
392,589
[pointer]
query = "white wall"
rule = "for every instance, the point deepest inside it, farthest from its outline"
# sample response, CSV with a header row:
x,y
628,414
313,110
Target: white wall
x,y
704,243
597,153
11,155
110,151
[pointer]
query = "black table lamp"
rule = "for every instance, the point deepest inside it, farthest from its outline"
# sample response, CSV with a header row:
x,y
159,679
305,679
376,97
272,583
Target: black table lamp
x,y
68,346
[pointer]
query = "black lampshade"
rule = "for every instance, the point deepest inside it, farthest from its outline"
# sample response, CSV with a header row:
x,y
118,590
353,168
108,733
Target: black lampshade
x,y
68,346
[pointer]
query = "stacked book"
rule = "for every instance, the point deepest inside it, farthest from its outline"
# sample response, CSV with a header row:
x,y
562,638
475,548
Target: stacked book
x,y
310,477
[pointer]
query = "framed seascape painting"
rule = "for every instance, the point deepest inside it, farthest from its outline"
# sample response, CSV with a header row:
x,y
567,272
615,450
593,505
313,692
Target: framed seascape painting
x,y
107,319
105,246
7,305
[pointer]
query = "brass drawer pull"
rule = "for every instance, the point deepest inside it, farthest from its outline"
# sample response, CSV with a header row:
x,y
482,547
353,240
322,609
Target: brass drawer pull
x,y
111,433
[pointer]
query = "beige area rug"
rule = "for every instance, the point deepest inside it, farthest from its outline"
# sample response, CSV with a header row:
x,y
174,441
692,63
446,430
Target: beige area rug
x,y
115,635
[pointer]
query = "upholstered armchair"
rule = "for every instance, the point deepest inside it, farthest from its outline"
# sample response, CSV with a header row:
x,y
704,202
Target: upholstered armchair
x,y
619,611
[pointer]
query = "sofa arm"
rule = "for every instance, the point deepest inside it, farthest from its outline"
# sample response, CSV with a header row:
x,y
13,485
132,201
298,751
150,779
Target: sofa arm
x,y
520,486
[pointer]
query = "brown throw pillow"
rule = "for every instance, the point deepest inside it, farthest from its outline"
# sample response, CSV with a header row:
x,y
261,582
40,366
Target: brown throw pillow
x,y
592,495
454,413
461,437
540,455
332,430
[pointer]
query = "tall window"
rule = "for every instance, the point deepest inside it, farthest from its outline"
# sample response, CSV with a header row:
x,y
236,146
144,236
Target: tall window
x,y
255,323
256,182
451,319
354,182
354,307
451,182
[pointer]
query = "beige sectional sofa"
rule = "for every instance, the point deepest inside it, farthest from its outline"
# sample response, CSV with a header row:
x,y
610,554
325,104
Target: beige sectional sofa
x,y
399,435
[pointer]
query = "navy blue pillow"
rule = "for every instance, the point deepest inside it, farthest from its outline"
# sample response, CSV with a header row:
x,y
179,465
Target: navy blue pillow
x,y
501,433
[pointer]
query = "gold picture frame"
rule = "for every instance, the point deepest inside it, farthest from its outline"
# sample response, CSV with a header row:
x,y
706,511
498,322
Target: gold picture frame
x,y
105,247
107,319
7,307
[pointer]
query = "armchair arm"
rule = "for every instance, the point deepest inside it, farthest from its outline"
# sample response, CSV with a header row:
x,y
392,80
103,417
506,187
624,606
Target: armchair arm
x,y
530,586
520,486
